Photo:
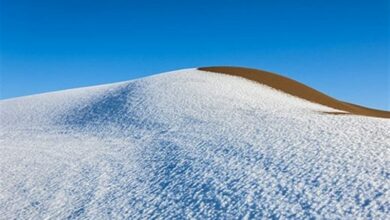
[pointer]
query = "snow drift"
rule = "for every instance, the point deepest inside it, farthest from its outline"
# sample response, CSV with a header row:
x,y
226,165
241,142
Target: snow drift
x,y
189,144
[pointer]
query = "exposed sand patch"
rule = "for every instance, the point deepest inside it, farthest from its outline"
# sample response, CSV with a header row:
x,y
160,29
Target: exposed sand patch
x,y
297,89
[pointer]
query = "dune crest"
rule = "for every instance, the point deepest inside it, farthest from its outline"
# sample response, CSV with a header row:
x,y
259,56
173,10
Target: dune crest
x,y
295,88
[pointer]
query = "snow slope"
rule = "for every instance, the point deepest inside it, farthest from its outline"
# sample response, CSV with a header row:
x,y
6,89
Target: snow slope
x,y
189,144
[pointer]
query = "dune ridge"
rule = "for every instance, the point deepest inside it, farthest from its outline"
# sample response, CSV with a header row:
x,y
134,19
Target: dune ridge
x,y
296,88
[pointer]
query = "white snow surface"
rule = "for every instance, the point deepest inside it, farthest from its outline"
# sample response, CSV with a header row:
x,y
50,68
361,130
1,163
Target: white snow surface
x,y
189,144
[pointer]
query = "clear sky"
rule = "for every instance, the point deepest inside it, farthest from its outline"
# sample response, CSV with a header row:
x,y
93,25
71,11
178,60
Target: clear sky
x,y
340,47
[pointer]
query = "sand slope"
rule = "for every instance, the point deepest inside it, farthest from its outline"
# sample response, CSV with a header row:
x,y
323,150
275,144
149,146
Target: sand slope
x,y
297,89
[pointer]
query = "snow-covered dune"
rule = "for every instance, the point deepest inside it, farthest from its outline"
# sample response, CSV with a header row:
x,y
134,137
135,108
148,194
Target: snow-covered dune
x,y
189,144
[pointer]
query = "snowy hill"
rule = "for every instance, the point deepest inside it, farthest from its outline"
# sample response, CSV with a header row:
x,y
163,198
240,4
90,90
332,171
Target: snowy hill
x,y
189,144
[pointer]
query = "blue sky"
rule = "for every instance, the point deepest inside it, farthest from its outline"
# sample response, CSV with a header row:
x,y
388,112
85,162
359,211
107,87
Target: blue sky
x,y
338,47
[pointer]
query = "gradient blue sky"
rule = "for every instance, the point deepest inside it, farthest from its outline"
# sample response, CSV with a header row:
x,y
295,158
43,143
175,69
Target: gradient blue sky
x,y
338,47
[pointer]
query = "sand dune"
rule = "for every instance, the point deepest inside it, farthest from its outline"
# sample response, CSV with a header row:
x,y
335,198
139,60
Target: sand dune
x,y
297,89
190,144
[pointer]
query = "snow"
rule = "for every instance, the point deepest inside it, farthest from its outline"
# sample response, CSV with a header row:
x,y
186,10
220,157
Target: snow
x,y
189,144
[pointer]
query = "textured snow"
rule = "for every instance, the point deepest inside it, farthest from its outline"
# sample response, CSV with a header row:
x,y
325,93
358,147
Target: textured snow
x,y
189,144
